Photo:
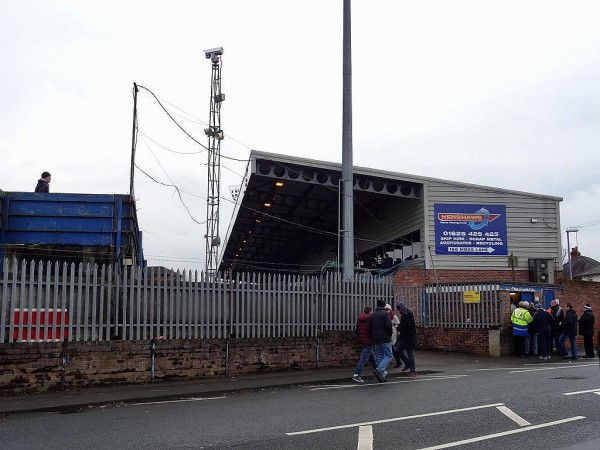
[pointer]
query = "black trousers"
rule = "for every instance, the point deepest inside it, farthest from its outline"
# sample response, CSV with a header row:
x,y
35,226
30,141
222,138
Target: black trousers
x,y
519,345
588,345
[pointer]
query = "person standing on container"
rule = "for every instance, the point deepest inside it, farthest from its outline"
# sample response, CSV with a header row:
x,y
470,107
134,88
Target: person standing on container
x,y
43,184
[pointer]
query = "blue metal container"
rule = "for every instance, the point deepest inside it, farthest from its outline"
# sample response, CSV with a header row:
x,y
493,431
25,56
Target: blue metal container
x,y
97,228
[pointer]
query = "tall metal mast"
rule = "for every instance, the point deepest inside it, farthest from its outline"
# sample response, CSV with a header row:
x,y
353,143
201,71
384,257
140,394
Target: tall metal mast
x,y
215,136
347,164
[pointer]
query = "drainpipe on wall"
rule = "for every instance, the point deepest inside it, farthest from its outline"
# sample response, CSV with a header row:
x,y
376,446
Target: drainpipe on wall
x,y
152,357
318,350
64,360
226,356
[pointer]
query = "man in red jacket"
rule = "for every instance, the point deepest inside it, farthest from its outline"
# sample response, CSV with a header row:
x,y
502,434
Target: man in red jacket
x,y
363,332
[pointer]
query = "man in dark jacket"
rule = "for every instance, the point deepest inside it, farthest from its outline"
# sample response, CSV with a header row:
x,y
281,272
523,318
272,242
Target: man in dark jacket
x,y
363,333
407,339
543,322
569,330
558,315
381,331
586,329
43,184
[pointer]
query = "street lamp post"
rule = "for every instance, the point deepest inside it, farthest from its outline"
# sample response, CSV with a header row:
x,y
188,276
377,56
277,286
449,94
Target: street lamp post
x,y
570,230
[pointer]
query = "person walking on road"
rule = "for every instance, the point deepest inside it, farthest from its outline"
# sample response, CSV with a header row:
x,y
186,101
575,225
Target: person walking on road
x,y
586,329
363,333
520,319
381,331
395,322
543,321
569,331
407,339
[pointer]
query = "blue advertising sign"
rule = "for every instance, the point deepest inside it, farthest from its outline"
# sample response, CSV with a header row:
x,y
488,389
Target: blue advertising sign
x,y
476,230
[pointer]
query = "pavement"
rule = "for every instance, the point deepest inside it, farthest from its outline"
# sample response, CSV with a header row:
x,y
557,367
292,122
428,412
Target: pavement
x,y
80,399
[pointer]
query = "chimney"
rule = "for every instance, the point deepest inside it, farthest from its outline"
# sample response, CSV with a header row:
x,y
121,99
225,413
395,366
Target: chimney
x,y
575,253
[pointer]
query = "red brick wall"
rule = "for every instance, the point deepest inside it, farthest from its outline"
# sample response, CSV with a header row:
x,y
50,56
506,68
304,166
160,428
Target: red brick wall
x,y
418,276
463,340
29,367
576,292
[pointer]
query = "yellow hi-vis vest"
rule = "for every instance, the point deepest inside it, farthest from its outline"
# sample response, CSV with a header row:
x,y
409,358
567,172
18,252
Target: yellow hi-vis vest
x,y
520,318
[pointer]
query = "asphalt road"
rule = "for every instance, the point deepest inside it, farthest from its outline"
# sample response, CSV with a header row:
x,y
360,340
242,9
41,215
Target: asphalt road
x,y
529,405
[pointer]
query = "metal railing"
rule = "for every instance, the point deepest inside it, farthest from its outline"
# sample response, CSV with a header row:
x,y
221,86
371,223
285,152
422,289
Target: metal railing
x,y
51,302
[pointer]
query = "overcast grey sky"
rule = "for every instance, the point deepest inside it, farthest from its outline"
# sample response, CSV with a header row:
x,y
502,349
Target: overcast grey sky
x,y
504,94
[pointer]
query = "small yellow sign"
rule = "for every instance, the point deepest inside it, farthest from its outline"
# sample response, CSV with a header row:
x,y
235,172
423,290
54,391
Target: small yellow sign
x,y
471,297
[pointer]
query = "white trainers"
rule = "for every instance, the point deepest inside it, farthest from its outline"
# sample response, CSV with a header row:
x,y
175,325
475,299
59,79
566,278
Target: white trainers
x,y
357,378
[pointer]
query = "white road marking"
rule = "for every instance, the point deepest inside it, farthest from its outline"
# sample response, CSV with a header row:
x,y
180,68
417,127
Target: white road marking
x,y
553,368
565,364
365,438
597,391
394,419
503,433
404,380
193,399
513,416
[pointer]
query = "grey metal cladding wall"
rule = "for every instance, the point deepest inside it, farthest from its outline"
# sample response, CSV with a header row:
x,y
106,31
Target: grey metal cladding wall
x,y
400,218
525,239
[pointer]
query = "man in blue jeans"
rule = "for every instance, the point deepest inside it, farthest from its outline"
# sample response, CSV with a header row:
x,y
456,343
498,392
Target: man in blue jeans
x,y
381,331
363,333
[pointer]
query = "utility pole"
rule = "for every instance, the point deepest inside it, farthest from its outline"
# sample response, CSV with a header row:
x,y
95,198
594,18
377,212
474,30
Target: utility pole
x,y
347,164
133,139
215,136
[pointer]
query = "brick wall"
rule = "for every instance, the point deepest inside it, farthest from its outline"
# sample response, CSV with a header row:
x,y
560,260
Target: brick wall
x,y
418,276
576,292
30,367
463,340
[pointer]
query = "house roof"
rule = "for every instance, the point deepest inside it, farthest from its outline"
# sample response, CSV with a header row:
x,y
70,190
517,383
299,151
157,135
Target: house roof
x,y
582,266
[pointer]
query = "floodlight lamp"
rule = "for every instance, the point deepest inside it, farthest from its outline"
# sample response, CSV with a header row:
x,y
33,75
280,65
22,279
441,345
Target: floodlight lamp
x,y
217,51
279,183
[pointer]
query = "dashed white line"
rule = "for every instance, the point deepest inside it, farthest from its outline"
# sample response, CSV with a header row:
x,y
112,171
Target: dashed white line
x,y
394,419
597,391
181,400
365,438
503,433
513,416
404,380
553,368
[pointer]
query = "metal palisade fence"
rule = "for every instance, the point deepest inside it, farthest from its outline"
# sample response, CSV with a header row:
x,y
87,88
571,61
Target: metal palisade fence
x,y
81,302
50,302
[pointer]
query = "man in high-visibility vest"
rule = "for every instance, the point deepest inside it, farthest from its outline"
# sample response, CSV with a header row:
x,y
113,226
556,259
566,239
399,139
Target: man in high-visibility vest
x,y
520,319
